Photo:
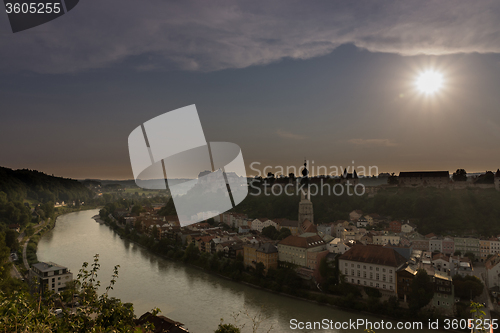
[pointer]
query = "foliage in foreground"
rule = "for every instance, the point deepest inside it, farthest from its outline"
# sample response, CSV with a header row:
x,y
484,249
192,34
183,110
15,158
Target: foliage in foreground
x,y
21,311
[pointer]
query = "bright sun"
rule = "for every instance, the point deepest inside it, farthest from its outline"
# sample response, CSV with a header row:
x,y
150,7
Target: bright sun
x,y
429,82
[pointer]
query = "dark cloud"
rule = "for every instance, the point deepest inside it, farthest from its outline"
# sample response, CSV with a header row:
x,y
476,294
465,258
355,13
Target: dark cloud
x,y
207,36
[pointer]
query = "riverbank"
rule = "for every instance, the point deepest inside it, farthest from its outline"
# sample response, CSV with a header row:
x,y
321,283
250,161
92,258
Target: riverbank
x,y
30,243
183,292
370,307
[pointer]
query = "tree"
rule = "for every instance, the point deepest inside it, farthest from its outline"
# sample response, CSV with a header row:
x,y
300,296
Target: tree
x,y
467,287
470,255
422,290
137,209
29,231
460,175
22,312
227,328
393,179
259,269
11,240
284,233
270,232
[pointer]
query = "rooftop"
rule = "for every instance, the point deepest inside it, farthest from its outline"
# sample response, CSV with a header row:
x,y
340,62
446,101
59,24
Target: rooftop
x,y
304,242
374,254
48,266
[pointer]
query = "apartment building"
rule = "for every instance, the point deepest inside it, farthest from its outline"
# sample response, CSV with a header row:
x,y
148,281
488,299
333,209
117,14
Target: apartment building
x,y
49,276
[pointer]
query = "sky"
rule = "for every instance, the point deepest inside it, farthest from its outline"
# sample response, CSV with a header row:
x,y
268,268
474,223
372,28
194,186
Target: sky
x,y
328,81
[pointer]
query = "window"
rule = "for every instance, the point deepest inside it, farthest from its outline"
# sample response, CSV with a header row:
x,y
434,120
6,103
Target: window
x,y
371,275
383,277
378,277
383,270
377,269
378,286
390,287
364,274
371,268
346,271
383,286
364,283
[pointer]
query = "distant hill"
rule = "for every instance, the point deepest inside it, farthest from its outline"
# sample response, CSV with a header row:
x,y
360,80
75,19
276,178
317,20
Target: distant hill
x,y
34,185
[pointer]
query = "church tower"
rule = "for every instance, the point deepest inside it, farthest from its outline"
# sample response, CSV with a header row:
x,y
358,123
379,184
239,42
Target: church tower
x,y
305,205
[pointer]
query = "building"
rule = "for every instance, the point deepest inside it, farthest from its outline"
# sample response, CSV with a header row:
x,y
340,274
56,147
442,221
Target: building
x,y
436,244
295,249
484,249
234,220
448,246
395,227
494,245
420,244
467,244
355,214
373,266
386,239
305,210
243,229
49,276
444,295
493,271
259,224
265,253
441,262
326,228
289,224
424,178
407,227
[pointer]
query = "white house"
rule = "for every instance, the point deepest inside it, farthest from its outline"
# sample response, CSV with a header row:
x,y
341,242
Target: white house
x,y
407,227
49,276
373,266
259,224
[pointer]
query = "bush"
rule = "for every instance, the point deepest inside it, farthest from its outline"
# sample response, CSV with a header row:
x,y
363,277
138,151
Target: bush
x,y
372,292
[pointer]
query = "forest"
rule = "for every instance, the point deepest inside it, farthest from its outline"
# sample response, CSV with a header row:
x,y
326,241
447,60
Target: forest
x,y
19,188
441,211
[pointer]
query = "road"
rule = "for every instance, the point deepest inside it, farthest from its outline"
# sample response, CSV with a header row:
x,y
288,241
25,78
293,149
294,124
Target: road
x,y
480,272
14,272
25,246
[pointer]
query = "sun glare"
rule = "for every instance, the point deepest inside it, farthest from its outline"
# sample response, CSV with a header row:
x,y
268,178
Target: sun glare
x,y
429,82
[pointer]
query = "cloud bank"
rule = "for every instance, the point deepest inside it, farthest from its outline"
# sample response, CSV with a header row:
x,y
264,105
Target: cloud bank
x,y
208,36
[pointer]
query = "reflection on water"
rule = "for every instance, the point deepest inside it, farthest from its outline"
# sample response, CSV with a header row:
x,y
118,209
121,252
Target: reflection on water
x,y
184,293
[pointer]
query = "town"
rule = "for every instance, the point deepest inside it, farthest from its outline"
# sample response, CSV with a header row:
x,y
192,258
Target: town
x,y
368,250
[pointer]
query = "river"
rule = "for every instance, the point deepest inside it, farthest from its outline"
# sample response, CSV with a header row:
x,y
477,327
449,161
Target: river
x,y
185,294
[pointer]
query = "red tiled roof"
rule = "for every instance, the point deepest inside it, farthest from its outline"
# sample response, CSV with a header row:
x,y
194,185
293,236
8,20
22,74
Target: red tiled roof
x,y
374,254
